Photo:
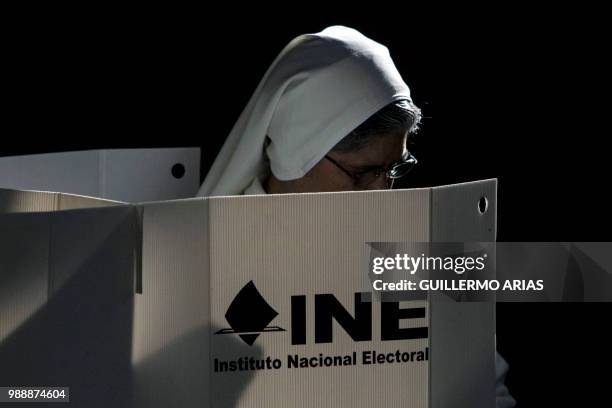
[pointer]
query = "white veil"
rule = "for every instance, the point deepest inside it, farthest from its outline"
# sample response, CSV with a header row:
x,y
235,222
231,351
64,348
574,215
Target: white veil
x,y
319,88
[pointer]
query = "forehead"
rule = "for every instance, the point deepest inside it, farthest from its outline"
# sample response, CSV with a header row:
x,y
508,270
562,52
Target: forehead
x,y
382,150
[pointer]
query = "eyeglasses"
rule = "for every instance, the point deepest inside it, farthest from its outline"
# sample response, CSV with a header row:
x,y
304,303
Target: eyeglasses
x,y
366,178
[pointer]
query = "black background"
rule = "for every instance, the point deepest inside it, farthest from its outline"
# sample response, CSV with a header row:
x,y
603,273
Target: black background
x,y
511,93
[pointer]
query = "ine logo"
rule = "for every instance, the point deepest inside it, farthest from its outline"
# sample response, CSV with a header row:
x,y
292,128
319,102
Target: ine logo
x,y
249,315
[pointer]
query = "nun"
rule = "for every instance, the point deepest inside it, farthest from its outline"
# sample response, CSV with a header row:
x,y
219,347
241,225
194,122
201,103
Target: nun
x,y
332,113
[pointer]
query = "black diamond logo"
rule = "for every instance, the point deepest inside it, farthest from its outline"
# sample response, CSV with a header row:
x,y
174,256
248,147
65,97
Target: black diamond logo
x,y
249,315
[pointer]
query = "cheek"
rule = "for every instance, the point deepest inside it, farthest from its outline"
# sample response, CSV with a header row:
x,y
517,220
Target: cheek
x,y
323,178
380,184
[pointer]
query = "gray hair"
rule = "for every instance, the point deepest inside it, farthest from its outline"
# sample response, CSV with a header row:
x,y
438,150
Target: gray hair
x,y
402,115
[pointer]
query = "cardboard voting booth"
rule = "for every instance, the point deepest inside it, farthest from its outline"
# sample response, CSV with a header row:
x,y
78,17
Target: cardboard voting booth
x,y
130,175
244,301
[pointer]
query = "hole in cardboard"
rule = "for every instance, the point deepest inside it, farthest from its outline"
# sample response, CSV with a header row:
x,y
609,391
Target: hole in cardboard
x,y
178,170
483,205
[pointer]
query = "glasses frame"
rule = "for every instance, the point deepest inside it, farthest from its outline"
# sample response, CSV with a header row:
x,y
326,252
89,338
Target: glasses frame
x,y
393,173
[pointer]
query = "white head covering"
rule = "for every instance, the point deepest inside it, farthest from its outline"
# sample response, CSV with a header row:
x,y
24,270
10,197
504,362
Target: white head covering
x,y
319,88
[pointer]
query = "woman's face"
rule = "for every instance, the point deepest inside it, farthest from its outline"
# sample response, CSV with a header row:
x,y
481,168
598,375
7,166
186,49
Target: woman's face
x,y
349,171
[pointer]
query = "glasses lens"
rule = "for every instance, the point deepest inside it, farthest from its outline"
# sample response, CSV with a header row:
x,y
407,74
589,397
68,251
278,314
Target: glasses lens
x,y
403,168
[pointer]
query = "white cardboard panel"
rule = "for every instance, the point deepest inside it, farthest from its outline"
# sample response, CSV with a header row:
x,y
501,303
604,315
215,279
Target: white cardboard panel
x,y
470,326
66,288
68,172
136,175
15,201
24,254
306,245
171,316
197,255
130,175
